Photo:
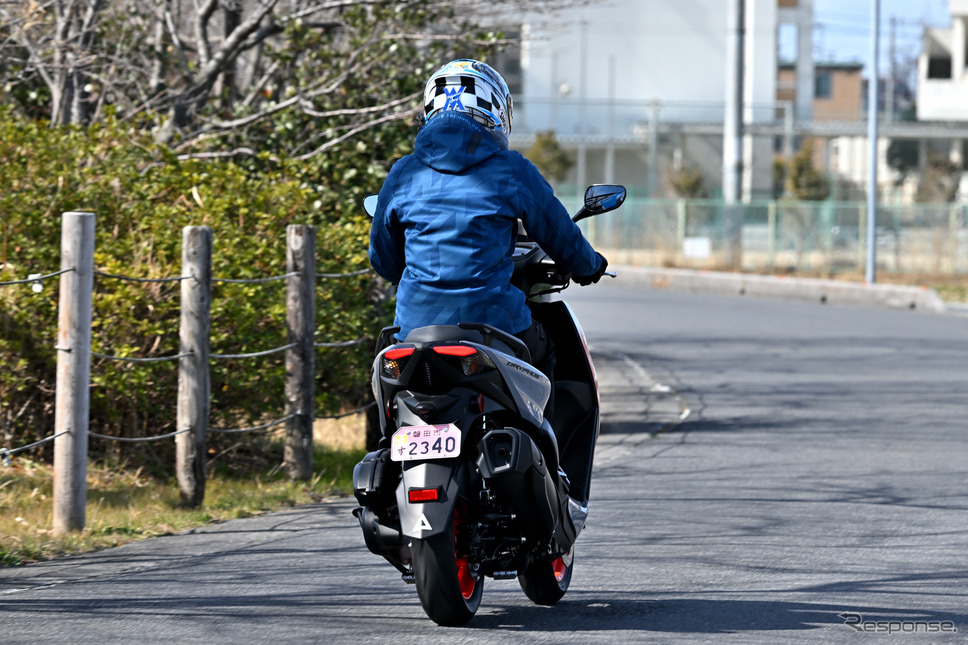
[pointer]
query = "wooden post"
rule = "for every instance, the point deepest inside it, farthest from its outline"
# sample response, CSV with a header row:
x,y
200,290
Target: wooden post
x,y
193,375
300,358
71,416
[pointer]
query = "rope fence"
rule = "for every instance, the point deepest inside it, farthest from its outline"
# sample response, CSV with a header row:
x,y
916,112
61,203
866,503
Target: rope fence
x,y
134,359
274,278
352,274
5,453
193,357
138,439
264,426
267,352
343,415
345,343
35,279
126,278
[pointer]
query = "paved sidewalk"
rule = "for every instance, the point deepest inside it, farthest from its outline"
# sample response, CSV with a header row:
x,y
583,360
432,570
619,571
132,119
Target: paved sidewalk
x,y
830,292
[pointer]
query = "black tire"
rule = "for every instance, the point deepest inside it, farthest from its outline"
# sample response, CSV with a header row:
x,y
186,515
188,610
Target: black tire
x,y
448,593
545,582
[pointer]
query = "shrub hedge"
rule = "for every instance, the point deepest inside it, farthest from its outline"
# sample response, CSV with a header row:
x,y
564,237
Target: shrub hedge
x,y
143,196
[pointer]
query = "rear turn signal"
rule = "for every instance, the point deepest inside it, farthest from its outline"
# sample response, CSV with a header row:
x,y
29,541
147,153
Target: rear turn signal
x,y
394,360
420,495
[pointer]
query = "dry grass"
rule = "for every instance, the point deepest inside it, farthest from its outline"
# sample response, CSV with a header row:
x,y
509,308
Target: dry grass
x,y
951,288
348,433
124,505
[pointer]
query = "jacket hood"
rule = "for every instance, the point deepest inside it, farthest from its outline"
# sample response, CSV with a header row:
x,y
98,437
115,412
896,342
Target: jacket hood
x,y
452,142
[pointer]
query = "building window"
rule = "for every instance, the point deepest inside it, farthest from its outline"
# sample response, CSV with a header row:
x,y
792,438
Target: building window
x,y
822,85
939,68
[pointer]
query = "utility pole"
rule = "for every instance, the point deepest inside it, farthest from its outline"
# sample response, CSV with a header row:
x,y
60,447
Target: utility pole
x,y
733,132
733,118
889,90
870,273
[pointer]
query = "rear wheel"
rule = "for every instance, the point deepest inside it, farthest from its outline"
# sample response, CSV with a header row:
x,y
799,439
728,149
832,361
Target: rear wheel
x,y
546,581
450,591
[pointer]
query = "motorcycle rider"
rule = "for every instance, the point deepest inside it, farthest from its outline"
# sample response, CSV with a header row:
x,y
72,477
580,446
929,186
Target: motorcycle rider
x,y
446,220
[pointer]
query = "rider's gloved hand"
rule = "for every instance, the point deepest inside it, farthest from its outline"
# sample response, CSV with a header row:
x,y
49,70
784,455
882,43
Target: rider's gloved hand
x,y
585,280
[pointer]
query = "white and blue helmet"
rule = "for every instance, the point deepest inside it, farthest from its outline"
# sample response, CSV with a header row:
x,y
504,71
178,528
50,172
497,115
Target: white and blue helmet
x,y
470,86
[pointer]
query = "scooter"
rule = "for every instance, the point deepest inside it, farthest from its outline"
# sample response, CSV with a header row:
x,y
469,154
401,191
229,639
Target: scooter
x,y
470,480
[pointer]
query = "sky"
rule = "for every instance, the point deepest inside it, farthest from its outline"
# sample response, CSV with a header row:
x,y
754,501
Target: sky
x,y
842,29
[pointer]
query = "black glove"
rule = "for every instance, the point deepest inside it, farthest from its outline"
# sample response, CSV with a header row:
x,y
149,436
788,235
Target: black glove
x,y
585,280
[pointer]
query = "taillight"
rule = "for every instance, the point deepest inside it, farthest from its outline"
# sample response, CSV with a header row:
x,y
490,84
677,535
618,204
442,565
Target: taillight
x,y
455,350
419,495
394,360
472,360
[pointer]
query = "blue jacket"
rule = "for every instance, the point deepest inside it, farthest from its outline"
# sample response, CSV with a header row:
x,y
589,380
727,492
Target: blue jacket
x,y
445,227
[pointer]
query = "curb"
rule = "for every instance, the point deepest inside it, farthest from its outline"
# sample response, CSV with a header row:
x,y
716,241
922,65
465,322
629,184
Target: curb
x,y
830,292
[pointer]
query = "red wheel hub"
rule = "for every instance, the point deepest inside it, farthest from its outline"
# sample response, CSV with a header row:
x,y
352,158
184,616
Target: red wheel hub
x,y
465,578
560,568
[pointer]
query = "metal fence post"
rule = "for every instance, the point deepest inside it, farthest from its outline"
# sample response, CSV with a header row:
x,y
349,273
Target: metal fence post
x,y
680,229
300,357
194,387
71,416
771,234
953,235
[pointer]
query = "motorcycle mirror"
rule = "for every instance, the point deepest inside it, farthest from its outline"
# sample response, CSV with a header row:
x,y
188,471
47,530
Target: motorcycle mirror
x,y
601,198
369,204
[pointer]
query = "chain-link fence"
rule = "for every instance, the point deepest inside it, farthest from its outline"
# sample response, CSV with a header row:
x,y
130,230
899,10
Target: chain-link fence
x,y
795,236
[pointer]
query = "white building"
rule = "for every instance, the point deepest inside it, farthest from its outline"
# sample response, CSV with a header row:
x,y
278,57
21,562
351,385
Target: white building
x,y
638,87
943,76
943,69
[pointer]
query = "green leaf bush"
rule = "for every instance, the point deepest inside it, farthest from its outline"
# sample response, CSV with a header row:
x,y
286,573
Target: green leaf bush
x,y
143,196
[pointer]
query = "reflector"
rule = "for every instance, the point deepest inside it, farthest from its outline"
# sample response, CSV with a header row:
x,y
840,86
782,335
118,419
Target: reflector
x,y
418,495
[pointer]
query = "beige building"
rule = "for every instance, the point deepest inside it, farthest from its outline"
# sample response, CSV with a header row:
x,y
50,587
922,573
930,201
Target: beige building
x,y
837,90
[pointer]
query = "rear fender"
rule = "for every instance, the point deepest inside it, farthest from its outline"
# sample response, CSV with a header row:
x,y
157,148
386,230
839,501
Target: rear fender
x,y
424,519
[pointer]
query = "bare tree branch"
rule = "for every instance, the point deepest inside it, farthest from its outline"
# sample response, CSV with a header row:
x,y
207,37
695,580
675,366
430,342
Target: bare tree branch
x,y
361,111
398,116
201,76
236,38
176,40
301,98
202,15
260,84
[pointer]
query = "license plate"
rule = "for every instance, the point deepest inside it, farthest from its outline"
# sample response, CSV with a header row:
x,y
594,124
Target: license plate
x,y
411,443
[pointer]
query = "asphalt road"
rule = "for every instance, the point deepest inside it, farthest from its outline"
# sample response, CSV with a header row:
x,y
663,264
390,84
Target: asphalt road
x,y
770,472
